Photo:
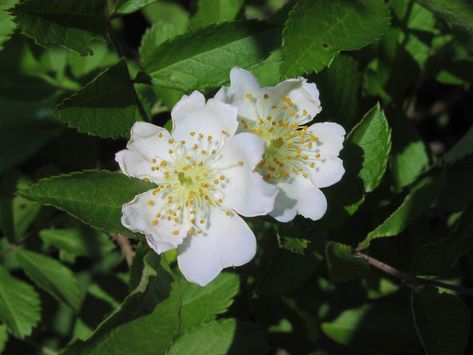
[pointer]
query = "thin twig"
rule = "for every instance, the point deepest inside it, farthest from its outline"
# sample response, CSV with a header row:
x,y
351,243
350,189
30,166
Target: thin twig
x,y
118,48
409,279
126,248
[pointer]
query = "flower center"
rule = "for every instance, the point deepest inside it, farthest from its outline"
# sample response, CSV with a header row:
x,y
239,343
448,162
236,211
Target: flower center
x,y
290,147
188,184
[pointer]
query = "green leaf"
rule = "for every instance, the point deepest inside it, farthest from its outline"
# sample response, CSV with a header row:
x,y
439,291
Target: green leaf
x,y
7,25
457,12
145,323
3,337
439,258
442,321
409,156
365,155
16,212
82,241
342,264
220,337
157,34
461,149
51,276
19,305
203,59
95,197
215,11
201,304
69,23
293,244
371,327
105,107
340,87
169,12
373,136
422,196
129,6
317,30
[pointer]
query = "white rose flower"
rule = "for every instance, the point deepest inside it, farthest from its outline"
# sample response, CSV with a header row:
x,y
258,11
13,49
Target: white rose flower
x,y
298,159
204,176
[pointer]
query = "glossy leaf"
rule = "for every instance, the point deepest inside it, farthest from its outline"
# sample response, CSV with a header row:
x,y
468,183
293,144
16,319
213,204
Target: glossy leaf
x,y
105,107
16,212
19,305
129,6
203,59
146,322
69,23
7,25
201,304
52,276
215,11
317,30
457,12
373,136
95,197
423,195
220,337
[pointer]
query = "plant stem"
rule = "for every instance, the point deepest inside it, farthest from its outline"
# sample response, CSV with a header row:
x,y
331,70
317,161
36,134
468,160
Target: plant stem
x,y
409,279
118,48
125,246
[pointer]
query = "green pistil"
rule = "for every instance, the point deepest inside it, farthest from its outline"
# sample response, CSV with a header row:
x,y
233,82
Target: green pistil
x,y
183,179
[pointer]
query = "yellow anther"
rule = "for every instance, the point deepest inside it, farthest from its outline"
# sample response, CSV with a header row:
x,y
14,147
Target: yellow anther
x,y
150,203
203,151
154,222
183,142
266,96
269,118
305,113
192,134
163,163
249,96
160,135
175,232
229,213
287,100
222,177
317,155
209,138
171,141
153,161
202,221
241,162
170,151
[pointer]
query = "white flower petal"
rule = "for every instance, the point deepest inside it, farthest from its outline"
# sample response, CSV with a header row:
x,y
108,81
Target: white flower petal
x,y
192,114
243,92
304,96
245,190
227,242
327,172
330,137
299,196
138,216
147,142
